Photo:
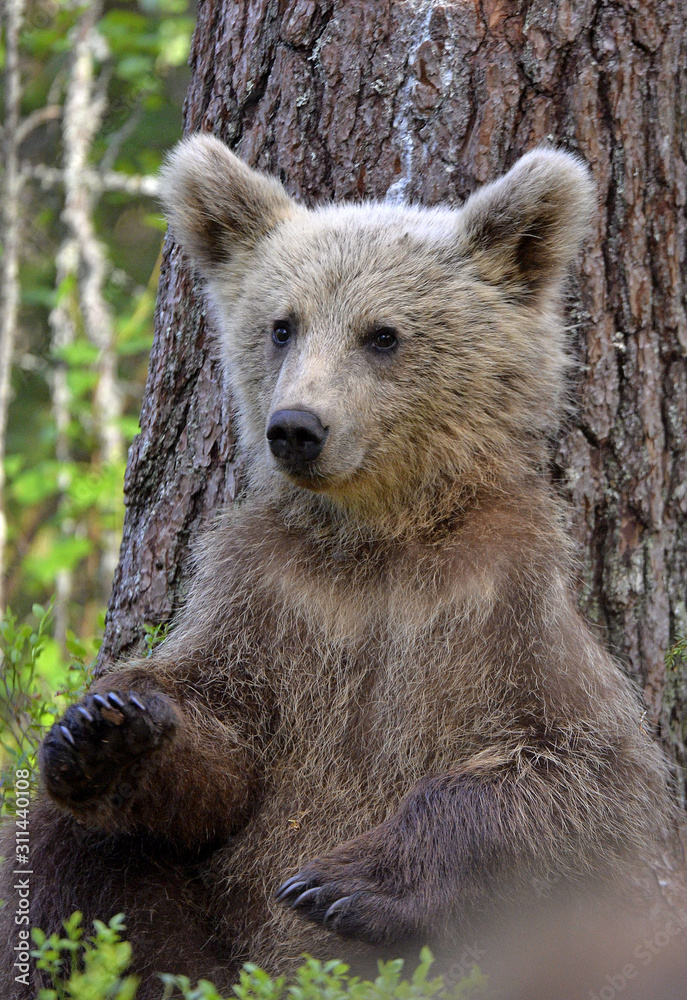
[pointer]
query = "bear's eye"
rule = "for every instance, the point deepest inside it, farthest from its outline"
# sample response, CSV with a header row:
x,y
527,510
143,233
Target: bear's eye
x,y
384,338
282,332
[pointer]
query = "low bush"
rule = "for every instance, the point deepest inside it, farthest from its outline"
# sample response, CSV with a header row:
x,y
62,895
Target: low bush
x,y
95,968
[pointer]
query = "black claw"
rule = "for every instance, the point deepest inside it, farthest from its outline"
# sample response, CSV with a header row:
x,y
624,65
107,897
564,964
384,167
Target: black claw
x,y
115,700
334,908
291,885
100,701
290,881
84,711
306,896
137,701
67,735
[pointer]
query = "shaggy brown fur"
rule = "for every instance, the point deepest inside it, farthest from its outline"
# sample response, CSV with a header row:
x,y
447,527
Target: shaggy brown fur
x,y
380,683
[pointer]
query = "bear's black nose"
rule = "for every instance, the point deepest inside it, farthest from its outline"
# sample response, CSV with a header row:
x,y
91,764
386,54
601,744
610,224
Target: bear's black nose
x,y
296,436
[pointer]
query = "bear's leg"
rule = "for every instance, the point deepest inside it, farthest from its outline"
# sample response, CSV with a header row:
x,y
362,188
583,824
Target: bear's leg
x,y
462,842
73,868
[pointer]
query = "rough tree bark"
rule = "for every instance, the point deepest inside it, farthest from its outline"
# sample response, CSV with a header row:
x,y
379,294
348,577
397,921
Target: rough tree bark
x,y
425,101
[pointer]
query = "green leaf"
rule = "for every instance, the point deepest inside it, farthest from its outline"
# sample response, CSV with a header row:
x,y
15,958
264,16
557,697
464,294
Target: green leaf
x,y
81,382
73,925
37,484
68,286
80,352
75,646
155,221
64,553
136,345
136,67
13,464
39,296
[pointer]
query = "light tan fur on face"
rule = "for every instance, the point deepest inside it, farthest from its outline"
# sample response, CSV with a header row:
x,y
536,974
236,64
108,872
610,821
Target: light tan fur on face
x,y
473,391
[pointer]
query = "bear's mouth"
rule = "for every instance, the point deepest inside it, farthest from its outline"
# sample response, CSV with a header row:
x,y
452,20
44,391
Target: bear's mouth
x,y
310,475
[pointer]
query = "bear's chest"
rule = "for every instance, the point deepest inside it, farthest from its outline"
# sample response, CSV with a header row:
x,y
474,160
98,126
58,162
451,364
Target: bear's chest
x,y
385,707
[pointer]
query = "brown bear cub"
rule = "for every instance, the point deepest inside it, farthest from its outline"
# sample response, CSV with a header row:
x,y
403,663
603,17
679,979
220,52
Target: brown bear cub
x,y
379,716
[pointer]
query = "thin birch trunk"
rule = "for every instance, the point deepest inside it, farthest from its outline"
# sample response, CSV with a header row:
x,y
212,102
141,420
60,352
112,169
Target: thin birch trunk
x,y
9,268
82,257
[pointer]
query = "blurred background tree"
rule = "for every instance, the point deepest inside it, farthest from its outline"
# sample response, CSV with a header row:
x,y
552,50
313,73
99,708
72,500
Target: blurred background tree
x,y
92,96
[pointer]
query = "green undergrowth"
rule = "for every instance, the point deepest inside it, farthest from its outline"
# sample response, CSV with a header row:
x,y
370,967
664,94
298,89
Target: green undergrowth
x,y
94,967
38,684
35,690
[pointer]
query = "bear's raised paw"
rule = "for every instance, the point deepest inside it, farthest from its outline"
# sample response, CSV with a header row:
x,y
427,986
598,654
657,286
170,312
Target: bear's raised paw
x,y
96,739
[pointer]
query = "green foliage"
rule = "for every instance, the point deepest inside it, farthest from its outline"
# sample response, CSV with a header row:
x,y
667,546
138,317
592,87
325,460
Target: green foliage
x,y
154,635
38,682
35,689
676,657
95,968
83,968
64,495
22,708
675,695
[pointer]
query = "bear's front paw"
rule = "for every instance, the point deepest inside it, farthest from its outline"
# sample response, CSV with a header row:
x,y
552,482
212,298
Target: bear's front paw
x,y
351,904
86,751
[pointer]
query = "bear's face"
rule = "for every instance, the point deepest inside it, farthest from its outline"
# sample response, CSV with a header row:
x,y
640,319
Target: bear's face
x,y
373,348
368,319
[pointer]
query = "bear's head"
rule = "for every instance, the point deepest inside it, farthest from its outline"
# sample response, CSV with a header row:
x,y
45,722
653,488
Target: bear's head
x,y
374,350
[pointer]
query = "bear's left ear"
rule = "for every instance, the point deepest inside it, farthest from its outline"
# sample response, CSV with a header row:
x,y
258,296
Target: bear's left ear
x,y
216,205
524,230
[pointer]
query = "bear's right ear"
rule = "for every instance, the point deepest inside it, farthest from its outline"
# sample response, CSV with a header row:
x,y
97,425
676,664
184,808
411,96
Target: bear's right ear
x,y
216,205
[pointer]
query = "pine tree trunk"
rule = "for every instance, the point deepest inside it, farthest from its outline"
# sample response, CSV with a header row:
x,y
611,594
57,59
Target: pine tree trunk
x,y
346,99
